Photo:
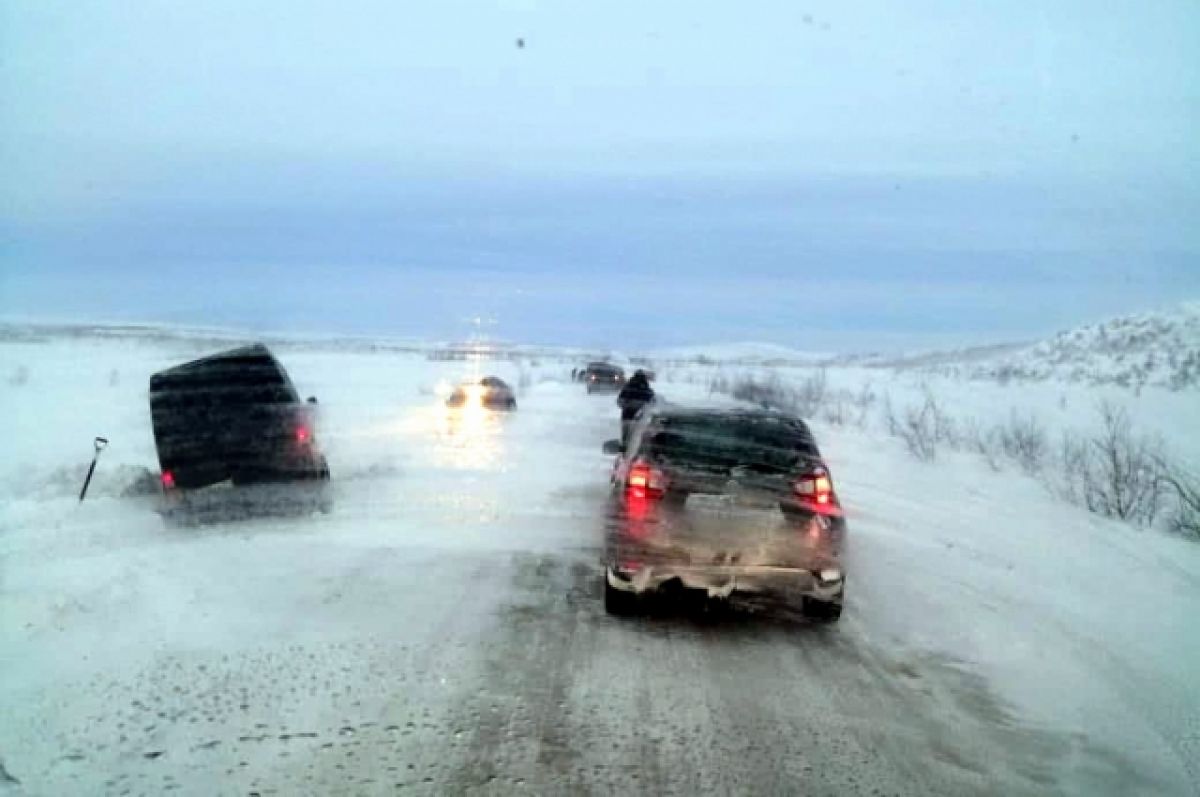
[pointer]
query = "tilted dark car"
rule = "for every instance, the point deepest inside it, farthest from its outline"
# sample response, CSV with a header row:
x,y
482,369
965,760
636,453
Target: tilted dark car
x,y
757,460
603,377
491,392
233,417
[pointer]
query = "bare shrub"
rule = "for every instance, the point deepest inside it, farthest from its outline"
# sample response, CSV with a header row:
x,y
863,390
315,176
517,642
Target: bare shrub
x,y
835,408
923,428
769,393
810,395
890,421
944,428
1072,459
918,432
863,401
1185,488
1116,472
1023,440
983,442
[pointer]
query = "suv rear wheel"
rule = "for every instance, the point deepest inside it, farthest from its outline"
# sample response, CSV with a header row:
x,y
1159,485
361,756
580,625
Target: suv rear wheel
x,y
618,602
820,611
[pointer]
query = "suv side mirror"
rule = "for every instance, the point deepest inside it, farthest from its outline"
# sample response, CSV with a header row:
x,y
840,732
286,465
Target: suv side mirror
x,y
613,447
312,399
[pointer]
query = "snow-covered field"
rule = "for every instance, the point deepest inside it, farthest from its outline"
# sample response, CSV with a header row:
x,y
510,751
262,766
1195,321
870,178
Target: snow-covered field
x,y
442,630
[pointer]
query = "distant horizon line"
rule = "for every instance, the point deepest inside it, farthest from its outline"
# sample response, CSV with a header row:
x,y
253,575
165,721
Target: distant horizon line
x,y
236,334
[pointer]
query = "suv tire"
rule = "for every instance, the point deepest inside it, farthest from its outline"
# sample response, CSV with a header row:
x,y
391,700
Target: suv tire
x,y
820,611
618,602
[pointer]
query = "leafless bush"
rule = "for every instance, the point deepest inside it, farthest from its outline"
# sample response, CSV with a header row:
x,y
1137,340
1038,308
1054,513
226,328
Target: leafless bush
x,y
1072,458
810,394
983,442
917,431
863,401
1023,440
835,408
944,429
1116,472
923,428
890,421
769,393
1185,489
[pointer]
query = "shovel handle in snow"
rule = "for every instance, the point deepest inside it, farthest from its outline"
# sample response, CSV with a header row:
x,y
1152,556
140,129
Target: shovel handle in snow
x,y
99,444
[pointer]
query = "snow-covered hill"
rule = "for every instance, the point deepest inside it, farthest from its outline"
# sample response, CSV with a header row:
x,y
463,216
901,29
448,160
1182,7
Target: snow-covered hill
x,y
1151,349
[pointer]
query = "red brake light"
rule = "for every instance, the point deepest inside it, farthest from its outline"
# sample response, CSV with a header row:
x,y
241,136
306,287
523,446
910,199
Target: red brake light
x,y
168,480
816,491
303,435
645,481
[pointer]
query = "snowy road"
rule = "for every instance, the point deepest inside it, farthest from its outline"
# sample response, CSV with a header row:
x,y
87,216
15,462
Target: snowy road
x,y
442,631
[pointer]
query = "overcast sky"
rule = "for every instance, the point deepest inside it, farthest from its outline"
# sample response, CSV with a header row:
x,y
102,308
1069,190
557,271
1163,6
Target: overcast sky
x,y
826,175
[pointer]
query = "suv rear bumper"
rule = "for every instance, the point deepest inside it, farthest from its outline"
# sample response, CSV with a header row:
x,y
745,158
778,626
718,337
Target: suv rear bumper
x,y
724,581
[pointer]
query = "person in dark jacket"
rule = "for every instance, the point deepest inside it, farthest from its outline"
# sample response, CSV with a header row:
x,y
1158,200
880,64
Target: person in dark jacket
x,y
636,394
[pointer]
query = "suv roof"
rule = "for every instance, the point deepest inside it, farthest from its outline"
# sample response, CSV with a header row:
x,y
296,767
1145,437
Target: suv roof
x,y
748,413
248,367
687,432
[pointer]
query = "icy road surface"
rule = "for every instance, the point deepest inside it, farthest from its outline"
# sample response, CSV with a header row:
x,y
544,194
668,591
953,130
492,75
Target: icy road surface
x,y
442,631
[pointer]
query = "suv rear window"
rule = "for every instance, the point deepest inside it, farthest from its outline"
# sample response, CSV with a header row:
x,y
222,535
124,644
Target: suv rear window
x,y
724,442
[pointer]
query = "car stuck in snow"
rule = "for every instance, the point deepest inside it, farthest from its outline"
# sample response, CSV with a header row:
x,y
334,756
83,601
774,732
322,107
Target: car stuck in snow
x,y
235,419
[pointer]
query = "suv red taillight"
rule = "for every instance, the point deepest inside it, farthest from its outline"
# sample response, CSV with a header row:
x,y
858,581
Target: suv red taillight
x,y
645,481
303,435
815,491
168,480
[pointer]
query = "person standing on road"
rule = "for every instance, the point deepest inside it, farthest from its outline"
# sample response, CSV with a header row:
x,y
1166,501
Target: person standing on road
x,y
636,394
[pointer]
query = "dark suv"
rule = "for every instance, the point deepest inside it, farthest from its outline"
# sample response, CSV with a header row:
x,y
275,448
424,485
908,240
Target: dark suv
x,y
746,459
233,417
603,377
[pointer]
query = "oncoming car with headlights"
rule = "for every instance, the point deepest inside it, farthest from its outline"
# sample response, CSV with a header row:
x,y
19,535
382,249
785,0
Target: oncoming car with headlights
x,y
603,377
728,504
490,392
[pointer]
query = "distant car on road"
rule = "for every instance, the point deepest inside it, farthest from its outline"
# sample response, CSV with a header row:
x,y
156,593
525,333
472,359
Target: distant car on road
x,y
745,458
601,377
233,417
491,393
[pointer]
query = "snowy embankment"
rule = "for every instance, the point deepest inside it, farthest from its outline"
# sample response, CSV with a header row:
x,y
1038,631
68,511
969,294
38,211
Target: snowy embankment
x,y
997,639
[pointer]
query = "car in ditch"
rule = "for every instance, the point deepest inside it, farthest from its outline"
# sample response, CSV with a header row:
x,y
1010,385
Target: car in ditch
x,y
726,504
234,419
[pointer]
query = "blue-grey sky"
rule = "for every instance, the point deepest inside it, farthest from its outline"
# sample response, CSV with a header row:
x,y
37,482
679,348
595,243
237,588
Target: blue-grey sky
x,y
826,175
